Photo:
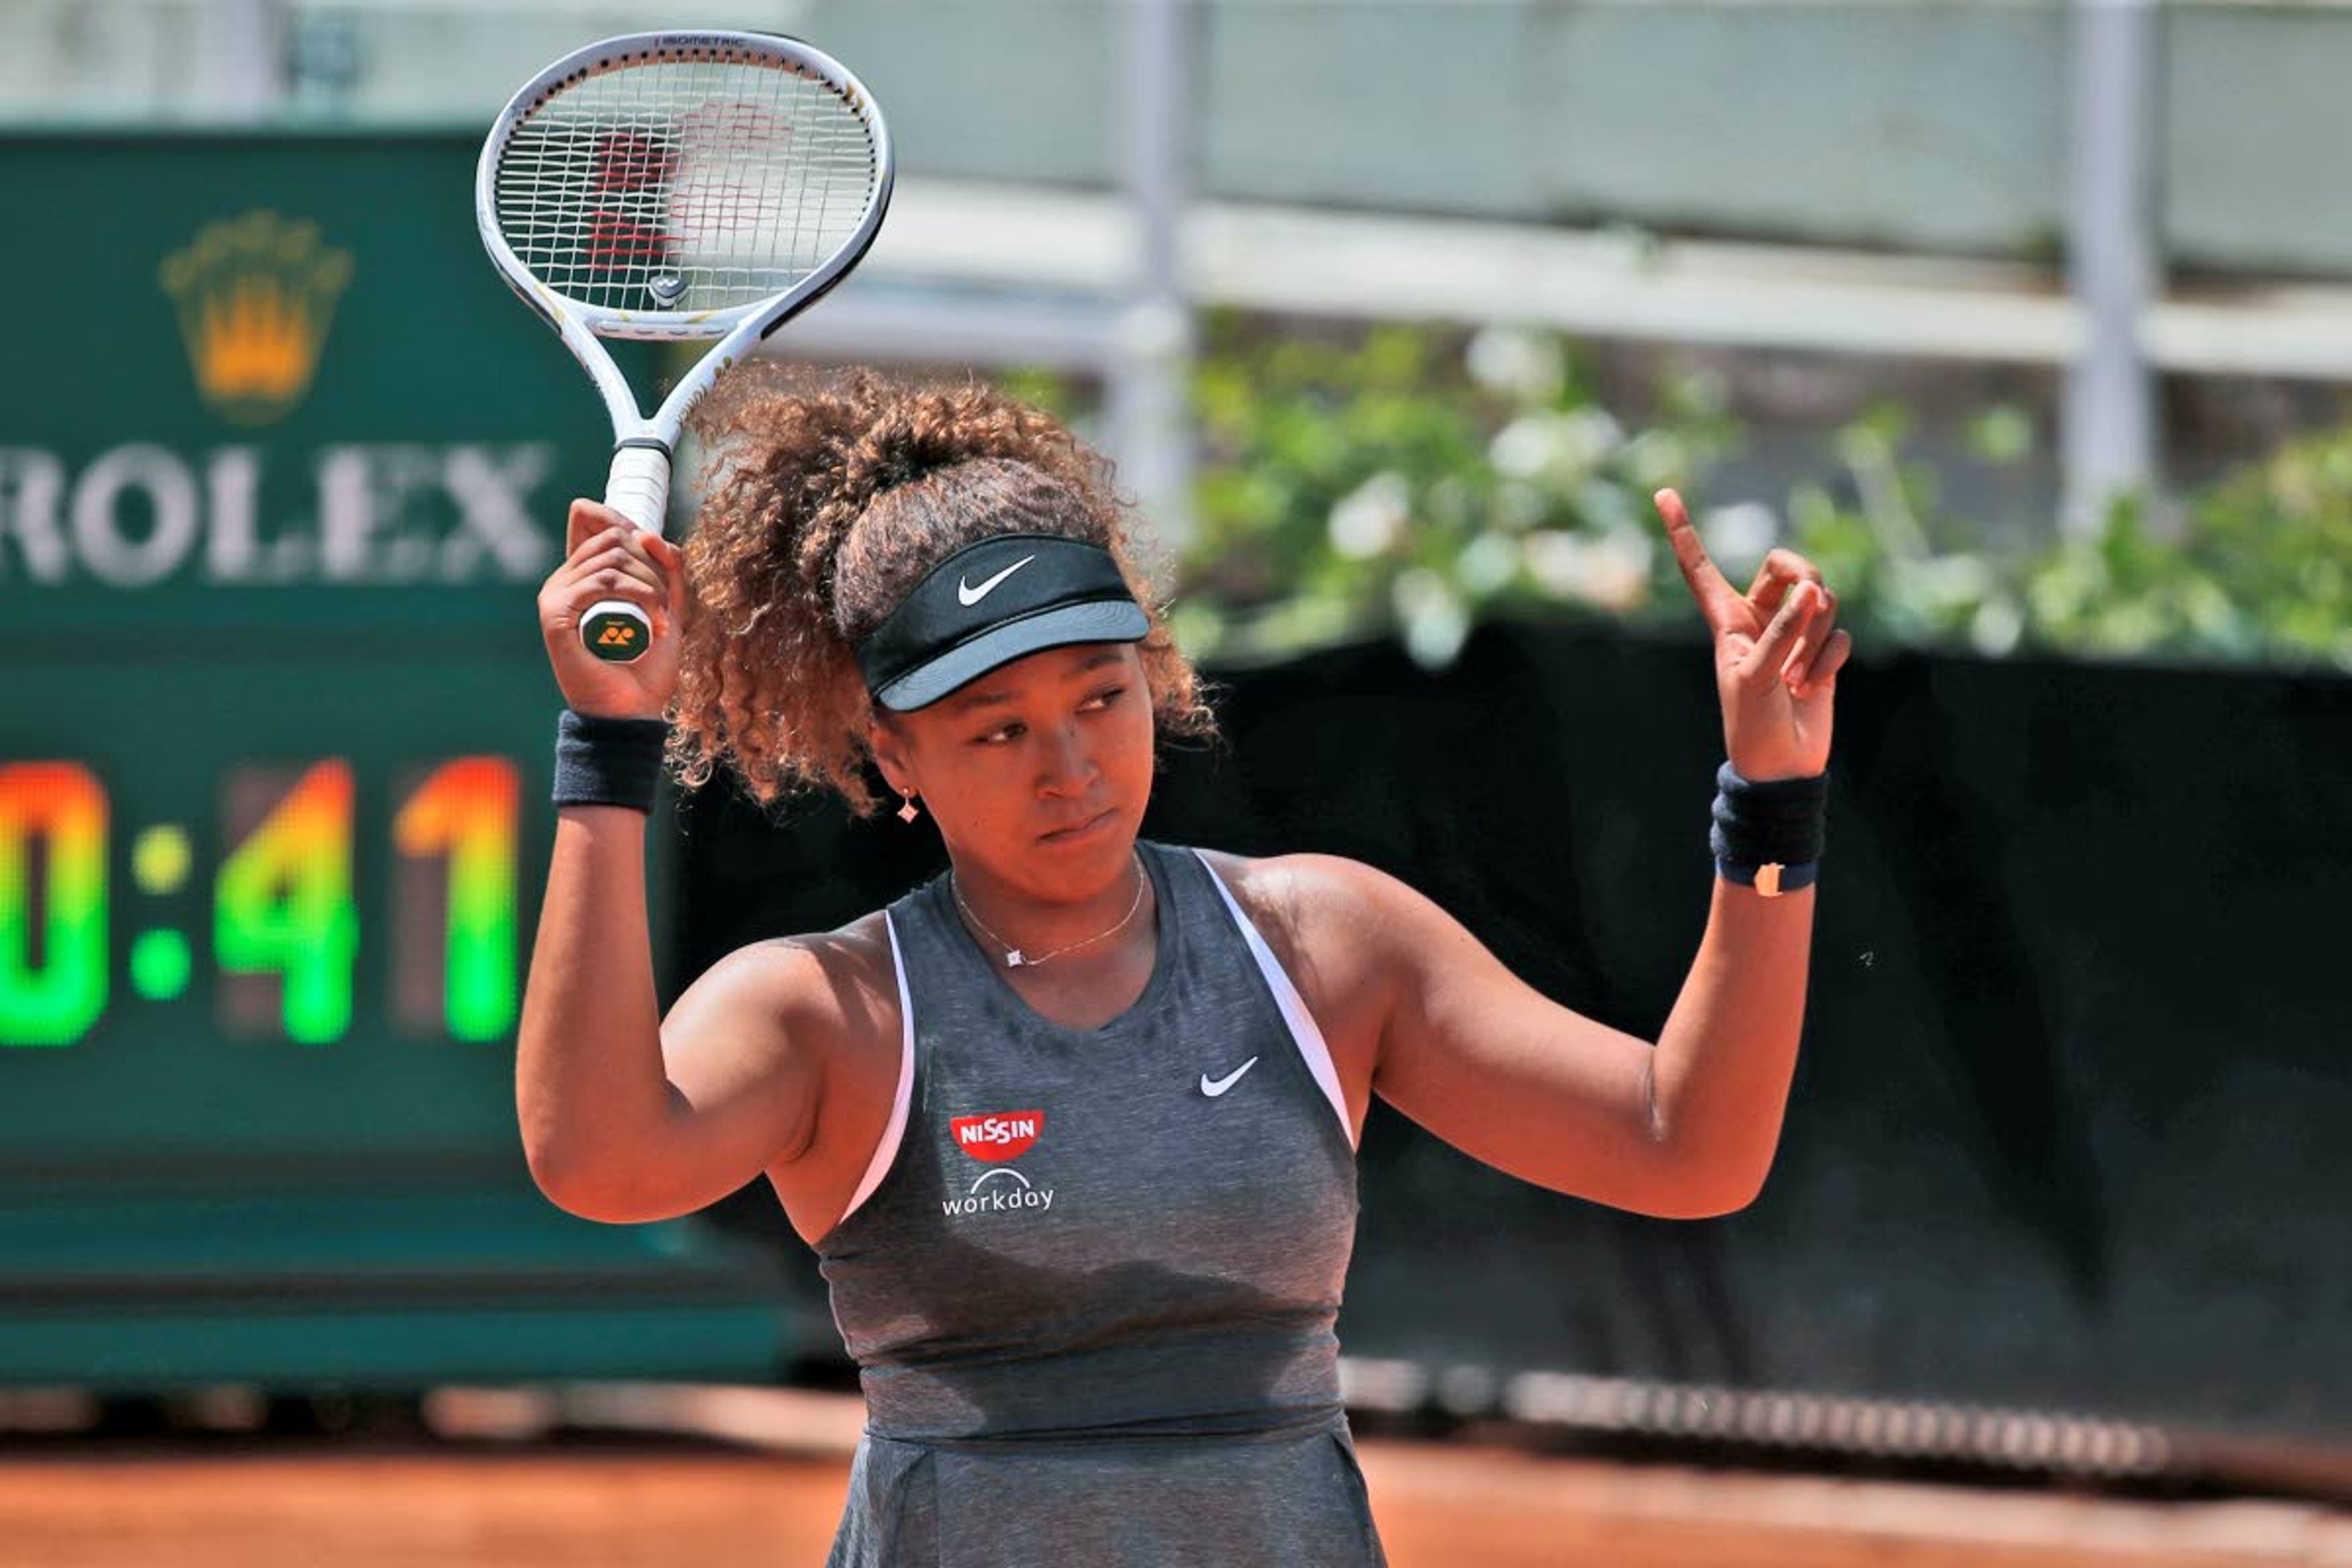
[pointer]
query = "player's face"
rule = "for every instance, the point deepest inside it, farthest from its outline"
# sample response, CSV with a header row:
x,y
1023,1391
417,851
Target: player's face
x,y
1029,748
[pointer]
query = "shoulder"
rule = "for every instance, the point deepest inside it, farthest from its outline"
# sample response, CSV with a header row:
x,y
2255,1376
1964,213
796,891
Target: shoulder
x,y
1311,897
1329,919
825,1041
832,989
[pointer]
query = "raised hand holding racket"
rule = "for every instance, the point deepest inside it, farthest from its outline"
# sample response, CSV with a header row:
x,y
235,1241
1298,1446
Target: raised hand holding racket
x,y
1776,653
676,187
607,558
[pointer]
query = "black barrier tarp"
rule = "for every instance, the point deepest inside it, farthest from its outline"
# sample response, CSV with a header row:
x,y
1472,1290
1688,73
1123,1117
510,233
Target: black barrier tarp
x,y
2076,1086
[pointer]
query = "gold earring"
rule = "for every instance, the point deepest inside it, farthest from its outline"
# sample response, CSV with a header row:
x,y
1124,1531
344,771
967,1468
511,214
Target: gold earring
x,y
908,812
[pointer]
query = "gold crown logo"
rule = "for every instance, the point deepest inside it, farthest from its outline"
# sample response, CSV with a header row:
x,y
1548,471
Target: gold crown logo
x,y
256,294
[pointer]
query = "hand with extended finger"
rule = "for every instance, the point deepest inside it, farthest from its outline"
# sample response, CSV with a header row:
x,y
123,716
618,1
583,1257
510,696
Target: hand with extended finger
x,y
1776,653
608,557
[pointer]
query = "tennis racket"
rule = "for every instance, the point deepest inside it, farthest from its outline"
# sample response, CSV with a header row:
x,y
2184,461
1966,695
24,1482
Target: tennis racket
x,y
677,187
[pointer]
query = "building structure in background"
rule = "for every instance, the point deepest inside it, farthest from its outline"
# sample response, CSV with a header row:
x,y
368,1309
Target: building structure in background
x,y
1860,181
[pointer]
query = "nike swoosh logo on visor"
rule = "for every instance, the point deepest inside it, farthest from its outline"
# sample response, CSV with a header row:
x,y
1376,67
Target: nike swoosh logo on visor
x,y
968,595
1215,1086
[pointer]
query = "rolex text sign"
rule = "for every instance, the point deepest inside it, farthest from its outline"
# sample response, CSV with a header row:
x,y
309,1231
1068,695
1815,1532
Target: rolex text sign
x,y
303,395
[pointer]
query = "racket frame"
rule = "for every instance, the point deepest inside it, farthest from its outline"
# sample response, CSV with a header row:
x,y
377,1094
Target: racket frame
x,y
638,485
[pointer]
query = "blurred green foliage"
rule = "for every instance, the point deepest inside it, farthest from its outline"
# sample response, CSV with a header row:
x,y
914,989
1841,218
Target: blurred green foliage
x,y
1390,481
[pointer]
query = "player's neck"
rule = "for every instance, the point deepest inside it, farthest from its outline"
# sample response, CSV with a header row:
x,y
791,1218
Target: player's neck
x,y
1105,918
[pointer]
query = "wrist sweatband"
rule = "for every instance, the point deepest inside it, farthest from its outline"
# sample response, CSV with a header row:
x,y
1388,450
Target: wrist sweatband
x,y
607,762
1768,836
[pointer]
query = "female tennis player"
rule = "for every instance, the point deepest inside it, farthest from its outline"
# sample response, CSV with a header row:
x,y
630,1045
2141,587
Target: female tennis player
x,y
1071,1127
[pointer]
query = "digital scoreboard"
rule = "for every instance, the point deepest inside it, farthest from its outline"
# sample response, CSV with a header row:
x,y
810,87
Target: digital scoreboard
x,y
269,904
278,906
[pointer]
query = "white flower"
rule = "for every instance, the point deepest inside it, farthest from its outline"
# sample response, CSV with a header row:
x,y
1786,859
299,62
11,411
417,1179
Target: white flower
x,y
1555,558
1372,518
1487,563
1652,459
1617,571
1434,620
1523,448
1611,571
1740,535
1996,626
1589,434
1560,446
1517,363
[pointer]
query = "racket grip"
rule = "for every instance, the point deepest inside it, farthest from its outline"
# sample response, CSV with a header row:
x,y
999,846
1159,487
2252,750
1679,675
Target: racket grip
x,y
615,630
638,485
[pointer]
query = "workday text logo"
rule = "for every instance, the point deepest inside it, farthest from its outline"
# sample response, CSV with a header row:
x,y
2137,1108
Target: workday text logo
x,y
996,1139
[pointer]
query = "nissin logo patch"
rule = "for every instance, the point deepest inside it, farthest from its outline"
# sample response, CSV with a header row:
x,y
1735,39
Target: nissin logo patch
x,y
999,1135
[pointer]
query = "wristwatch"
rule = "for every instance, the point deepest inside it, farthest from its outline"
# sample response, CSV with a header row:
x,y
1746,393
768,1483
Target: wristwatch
x,y
1771,879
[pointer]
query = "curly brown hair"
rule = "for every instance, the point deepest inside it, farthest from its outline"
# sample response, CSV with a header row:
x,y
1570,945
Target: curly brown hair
x,y
825,502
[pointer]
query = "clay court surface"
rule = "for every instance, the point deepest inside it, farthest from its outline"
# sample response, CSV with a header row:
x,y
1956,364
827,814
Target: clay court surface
x,y
660,1504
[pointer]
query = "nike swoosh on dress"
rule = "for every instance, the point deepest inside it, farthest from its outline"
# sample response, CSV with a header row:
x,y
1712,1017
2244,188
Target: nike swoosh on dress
x,y
1214,1088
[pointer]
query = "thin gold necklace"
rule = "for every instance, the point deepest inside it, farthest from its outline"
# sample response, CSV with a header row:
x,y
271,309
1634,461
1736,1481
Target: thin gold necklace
x,y
1014,958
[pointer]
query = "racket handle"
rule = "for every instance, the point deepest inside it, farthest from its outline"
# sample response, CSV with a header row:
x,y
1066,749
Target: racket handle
x,y
615,630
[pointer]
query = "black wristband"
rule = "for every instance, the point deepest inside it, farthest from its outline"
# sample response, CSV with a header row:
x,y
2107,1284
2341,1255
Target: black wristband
x,y
608,761
1778,822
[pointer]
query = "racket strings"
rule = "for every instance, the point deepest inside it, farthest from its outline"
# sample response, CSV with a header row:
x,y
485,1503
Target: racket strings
x,y
685,185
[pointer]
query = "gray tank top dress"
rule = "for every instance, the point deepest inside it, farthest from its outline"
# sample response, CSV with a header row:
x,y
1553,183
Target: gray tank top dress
x,y
1091,1277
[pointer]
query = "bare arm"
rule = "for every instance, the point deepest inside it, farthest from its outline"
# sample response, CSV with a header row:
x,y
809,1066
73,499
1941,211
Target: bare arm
x,y
1682,1130
588,1067
1721,1072
626,1117
1685,1129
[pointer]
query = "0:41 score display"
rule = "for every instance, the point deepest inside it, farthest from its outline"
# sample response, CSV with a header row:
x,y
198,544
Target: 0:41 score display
x,y
285,922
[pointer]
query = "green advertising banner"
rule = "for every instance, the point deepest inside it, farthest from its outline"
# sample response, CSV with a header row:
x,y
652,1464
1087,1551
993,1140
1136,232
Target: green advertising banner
x,y
281,392
282,466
